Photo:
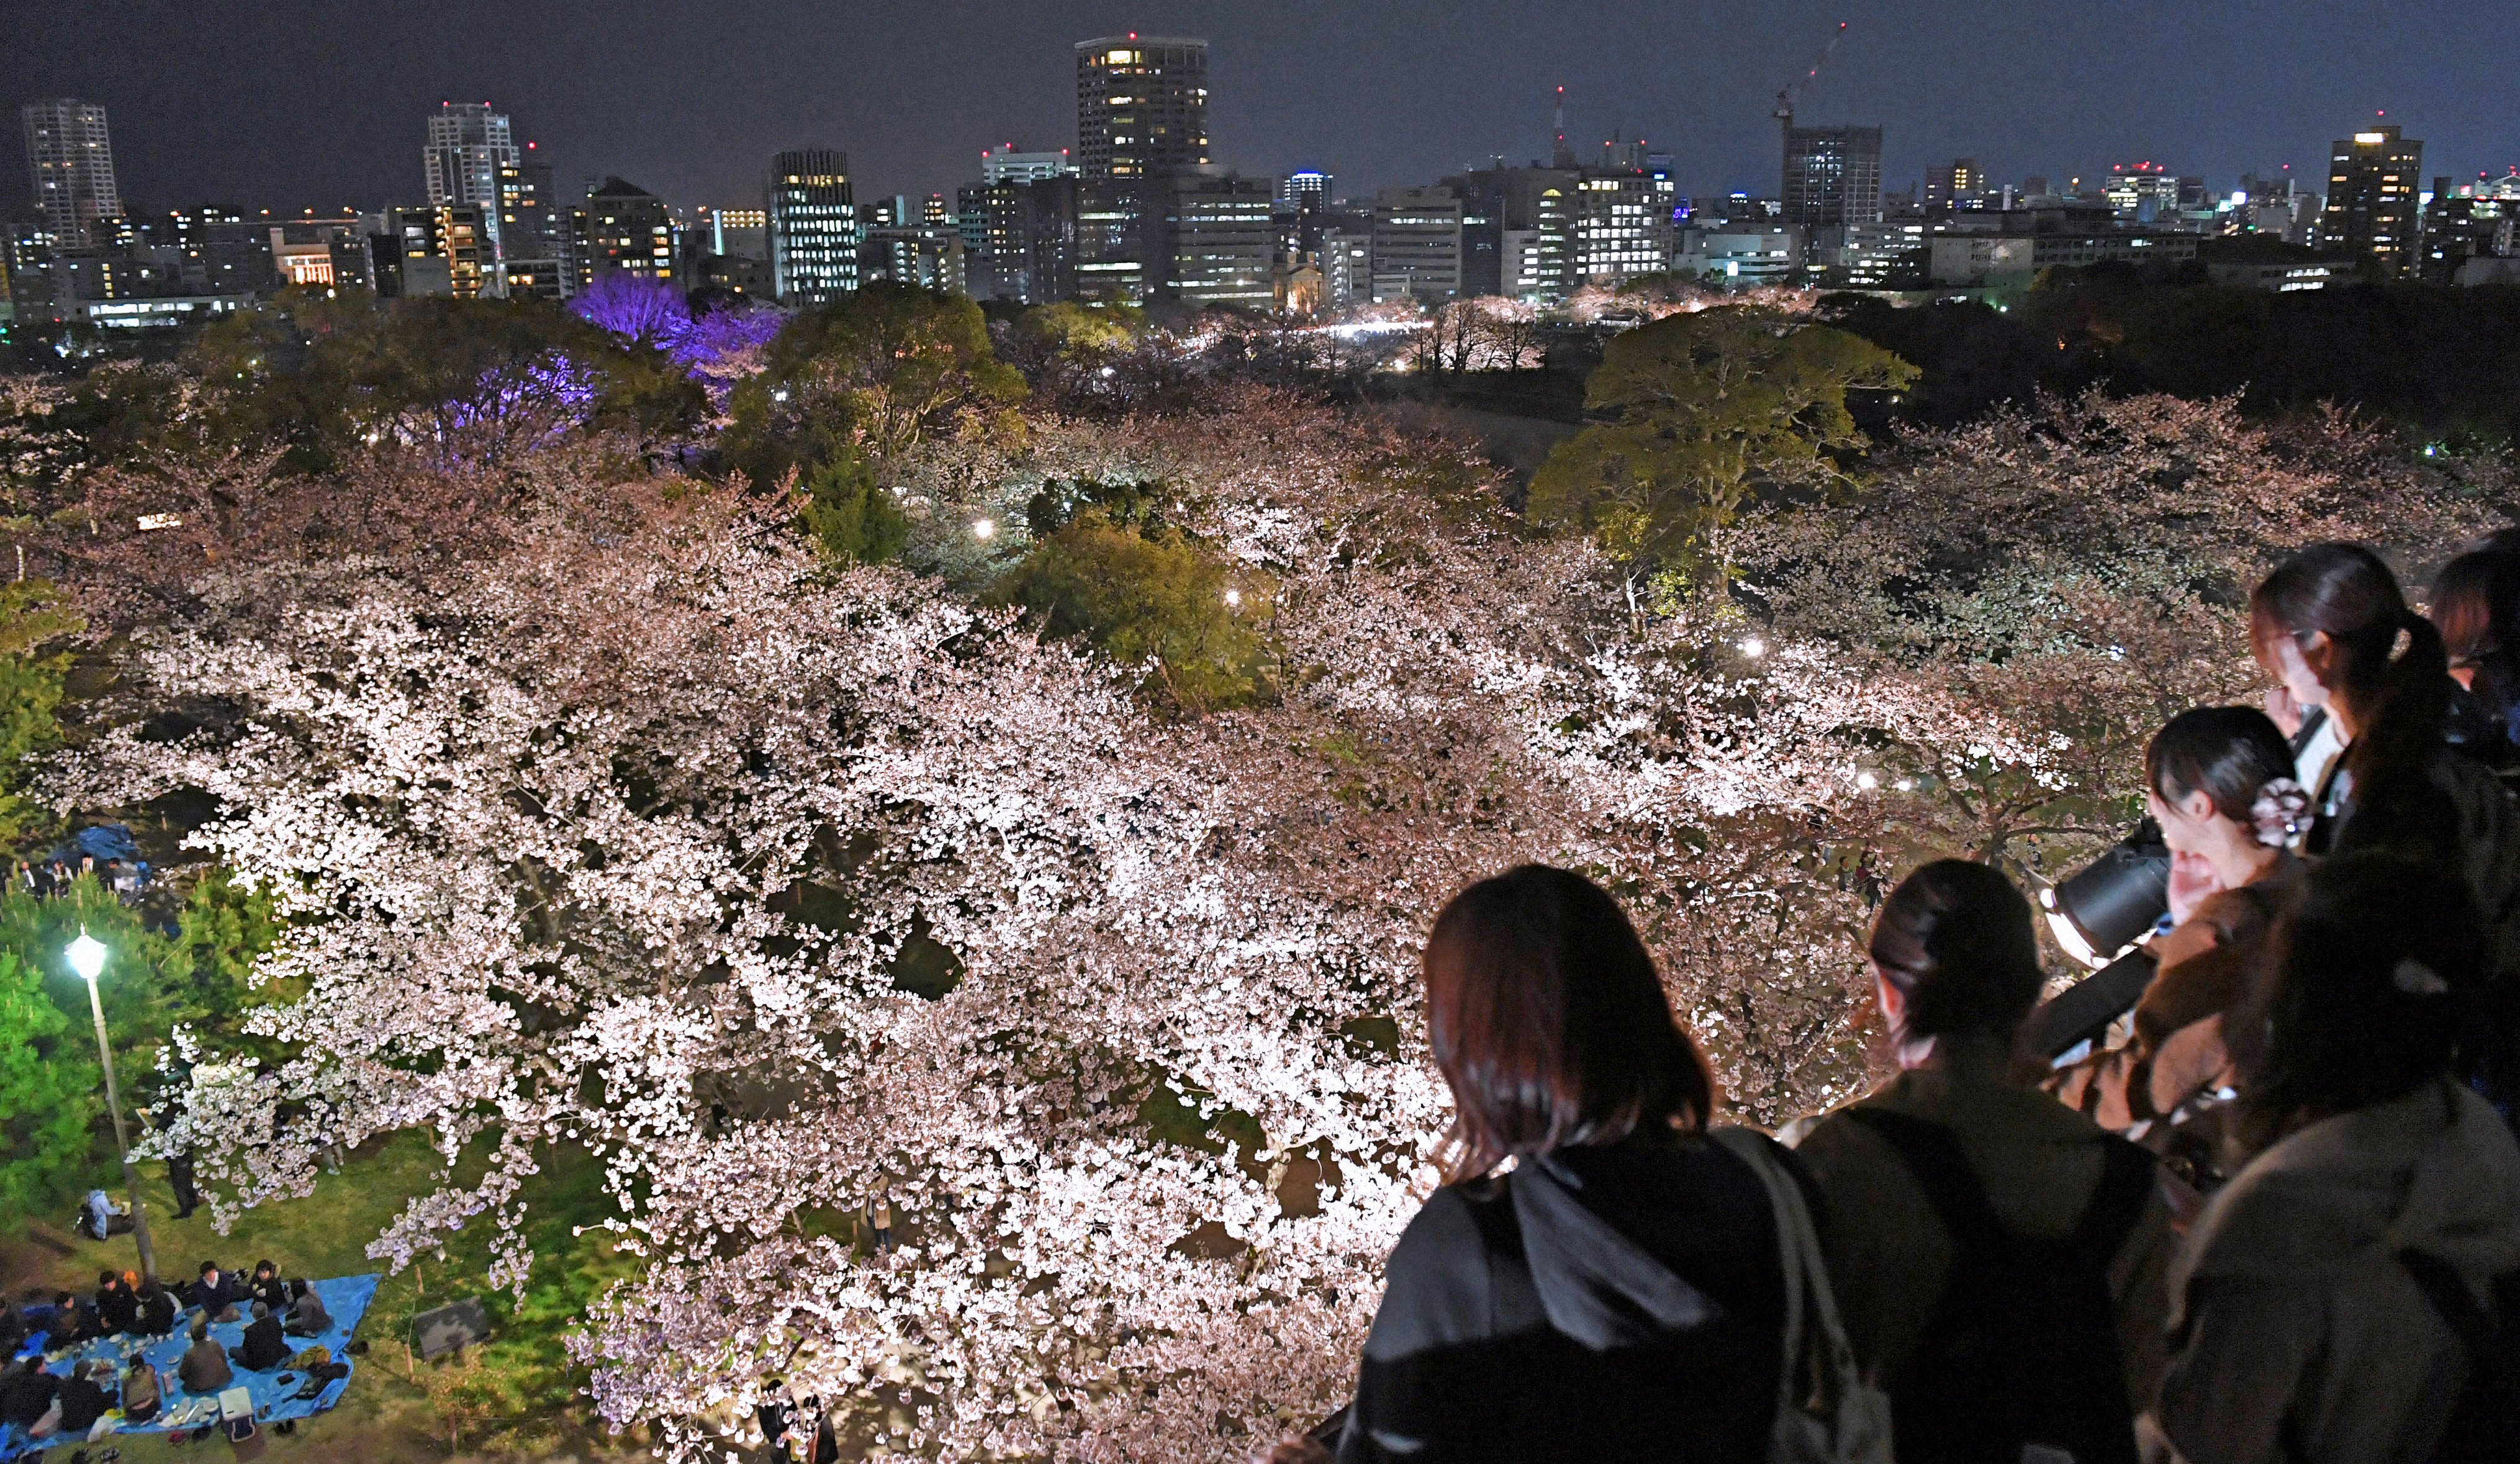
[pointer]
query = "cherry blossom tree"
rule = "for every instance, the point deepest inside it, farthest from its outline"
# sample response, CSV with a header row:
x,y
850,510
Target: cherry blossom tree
x,y
635,826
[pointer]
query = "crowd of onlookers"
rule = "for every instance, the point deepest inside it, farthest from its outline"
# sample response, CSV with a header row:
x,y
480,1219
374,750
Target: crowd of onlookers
x,y
124,1306
2273,1215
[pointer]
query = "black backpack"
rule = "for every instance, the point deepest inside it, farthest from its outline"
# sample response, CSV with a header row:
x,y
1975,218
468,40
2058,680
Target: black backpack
x,y
2487,1417
2023,1347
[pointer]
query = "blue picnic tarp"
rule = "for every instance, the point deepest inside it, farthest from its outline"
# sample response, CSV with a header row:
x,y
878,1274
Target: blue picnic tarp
x,y
346,1298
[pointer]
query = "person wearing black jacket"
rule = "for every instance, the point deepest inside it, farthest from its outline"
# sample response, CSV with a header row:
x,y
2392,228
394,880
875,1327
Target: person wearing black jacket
x,y
26,1393
267,1287
265,1347
84,1400
117,1303
159,1311
1620,1296
72,1324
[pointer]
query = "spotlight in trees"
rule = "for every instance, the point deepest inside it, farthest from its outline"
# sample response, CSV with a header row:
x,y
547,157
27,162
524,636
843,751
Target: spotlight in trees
x,y
1866,781
982,529
1109,372
1754,647
1233,596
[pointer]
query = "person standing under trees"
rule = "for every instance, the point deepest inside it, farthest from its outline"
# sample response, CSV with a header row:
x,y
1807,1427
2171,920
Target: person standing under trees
x,y
879,1217
2312,1301
1999,1257
1620,1295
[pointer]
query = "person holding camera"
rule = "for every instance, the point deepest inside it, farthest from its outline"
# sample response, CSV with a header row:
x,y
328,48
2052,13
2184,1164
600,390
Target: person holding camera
x,y
2218,782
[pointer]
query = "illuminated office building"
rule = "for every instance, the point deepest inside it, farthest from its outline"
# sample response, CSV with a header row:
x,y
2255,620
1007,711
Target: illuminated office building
x,y
1833,176
813,226
2372,203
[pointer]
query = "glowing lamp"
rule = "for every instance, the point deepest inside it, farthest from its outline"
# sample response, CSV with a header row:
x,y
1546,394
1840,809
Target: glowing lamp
x,y
87,956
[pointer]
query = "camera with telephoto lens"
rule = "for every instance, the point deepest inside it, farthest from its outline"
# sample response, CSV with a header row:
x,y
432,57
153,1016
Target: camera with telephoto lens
x,y
2097,914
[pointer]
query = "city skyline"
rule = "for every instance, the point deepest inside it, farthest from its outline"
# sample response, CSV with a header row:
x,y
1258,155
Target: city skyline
x,y
1365,97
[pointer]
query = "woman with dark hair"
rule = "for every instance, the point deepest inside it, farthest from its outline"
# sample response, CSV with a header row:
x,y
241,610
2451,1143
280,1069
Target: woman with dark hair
x,y
1620,1295
1998,1257
2218,783
2327,626
2304,1322
2476,606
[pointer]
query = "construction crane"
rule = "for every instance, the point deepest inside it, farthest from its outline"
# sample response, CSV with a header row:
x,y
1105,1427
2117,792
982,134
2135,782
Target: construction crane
x,y
1793,89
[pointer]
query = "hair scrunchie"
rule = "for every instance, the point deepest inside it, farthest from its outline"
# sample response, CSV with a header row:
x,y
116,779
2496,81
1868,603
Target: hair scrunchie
x,y
2280,813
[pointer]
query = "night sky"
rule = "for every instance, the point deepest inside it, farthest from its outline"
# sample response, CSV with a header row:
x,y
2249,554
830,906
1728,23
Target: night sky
x,y
288,104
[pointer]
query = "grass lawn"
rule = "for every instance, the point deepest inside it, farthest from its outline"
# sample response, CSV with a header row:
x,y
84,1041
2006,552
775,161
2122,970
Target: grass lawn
x,y
515,1397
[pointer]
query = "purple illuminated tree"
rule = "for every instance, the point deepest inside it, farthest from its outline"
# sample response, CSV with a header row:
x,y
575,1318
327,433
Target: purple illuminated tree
x,y
636,306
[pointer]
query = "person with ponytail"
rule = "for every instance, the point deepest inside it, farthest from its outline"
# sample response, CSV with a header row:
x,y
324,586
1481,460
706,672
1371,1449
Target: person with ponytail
x,y
2309,1316
2333,631
1999,1258
2218,782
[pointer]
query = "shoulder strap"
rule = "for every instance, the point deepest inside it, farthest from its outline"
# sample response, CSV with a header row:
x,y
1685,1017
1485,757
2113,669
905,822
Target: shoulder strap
x,y
2125,1188
1933,1154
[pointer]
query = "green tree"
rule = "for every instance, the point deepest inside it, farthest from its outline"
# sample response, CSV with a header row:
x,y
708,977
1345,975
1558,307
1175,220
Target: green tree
x,y
49,1087
1073,329
852,517
865,377
1158,599
1712,409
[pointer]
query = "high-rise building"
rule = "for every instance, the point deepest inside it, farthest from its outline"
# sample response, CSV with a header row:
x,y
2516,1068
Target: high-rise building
x,y
468,145
1308,192
1951,185
1141,105
69,157
1224,245
1004,163
533,233
1622,225
1833,176
813,226
1417,245
1141,116
2371,198
623,227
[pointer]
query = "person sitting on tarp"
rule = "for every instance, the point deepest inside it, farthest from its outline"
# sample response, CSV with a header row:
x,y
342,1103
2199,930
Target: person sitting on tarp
x,y
264,1346
27,1393
73,1323
159,1311
85,1400
306,1314
117,1303
205,1368
217,1293
267,1286
141,1390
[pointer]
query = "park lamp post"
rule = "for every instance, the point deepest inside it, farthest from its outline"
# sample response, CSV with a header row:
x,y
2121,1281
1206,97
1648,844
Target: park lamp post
x,y
87,958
